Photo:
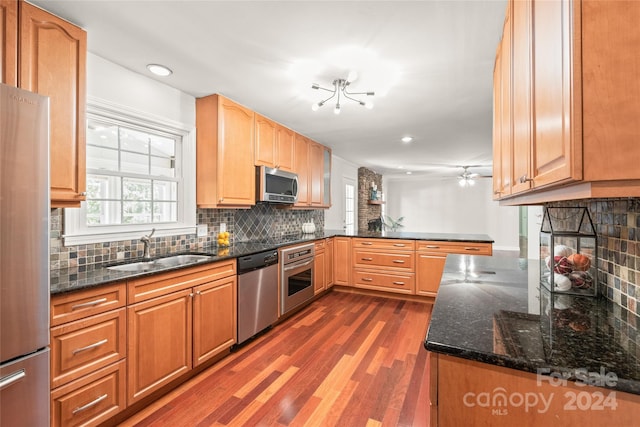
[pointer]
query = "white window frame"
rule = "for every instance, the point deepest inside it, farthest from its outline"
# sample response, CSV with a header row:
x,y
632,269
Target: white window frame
x,y
76,230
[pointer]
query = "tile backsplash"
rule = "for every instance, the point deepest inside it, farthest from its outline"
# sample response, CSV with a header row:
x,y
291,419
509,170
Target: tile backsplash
x,y
617,223
261,222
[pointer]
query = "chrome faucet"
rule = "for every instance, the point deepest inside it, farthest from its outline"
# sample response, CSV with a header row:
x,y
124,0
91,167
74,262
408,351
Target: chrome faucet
x,y
145,242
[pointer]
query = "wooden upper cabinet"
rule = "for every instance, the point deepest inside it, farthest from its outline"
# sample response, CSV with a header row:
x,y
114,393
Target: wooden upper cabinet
x,y
301,167
9,42
557,154
284,152
274,144
225,171
266,144
52,63
521,83
316,166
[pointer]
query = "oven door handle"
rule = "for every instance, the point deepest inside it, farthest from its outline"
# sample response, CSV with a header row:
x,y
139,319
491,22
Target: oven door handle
x,y
297,265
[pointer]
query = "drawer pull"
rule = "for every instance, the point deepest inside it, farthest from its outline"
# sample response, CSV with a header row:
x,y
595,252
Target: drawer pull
x,y
88,304
472,249
400,245
366,259
398,283
398,261
433,247
90,404
367,279
90,346
367,243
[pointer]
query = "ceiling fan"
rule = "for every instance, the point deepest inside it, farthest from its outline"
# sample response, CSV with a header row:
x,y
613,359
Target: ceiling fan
x,y
467,179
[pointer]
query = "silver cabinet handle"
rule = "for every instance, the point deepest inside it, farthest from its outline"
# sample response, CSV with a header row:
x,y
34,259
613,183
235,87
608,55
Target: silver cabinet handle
x,y
398,283
398,261
367,279
400,245
84,193
90,346
366,259
524,179
88,304
472,249
90,404
367,243
12,378
433,247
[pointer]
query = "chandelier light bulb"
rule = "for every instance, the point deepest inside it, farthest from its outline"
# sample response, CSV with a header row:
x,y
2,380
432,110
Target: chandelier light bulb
x,y
368,105
462,182
315,107
336,110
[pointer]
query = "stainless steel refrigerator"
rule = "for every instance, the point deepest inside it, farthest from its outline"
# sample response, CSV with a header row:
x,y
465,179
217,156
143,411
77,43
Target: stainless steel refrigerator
x,y
24,258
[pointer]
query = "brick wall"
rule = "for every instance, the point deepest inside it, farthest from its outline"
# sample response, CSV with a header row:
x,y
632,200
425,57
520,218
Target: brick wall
x,y
366,211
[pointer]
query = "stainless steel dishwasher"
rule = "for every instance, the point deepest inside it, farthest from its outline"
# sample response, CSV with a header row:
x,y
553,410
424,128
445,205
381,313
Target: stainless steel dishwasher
x,y
257,293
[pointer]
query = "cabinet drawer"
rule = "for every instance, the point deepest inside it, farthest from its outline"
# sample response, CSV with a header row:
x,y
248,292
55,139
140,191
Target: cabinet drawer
x,y
76,305
393,244
387,281
463,248
399,260
90,400
80,347
320,245
146,288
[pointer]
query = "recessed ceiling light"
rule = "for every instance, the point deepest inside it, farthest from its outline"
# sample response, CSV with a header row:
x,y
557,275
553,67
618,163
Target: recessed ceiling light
x,y
400,167
159,70
407,139
409,172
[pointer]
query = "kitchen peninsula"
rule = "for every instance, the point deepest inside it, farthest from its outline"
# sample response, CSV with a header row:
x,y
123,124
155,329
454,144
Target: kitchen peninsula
x,y
506,351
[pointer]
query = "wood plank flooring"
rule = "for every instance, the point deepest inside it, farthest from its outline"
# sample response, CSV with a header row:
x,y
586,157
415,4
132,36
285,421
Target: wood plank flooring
x,y
345,360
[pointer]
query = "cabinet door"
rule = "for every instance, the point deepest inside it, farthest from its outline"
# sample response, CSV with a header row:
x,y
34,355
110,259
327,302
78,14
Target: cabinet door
x,y
316,166
214,319
506,131
9,42
522,87
497,124
329,262
301,161
342,261
319,274
265,142
429,268
556,156
236,177
52,63
284,151
159,342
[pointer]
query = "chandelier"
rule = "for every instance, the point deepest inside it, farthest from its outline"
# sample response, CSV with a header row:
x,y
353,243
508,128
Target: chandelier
x,y
340,90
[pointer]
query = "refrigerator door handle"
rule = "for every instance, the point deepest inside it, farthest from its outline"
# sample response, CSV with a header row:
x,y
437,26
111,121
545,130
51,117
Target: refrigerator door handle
x,y
12,378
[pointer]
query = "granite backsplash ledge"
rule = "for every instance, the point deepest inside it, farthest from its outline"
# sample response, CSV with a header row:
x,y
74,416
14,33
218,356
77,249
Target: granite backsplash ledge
x,y
258,223
617,223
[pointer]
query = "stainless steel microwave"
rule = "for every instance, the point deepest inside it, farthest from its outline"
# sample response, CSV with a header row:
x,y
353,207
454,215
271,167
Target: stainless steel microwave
x,y
275,185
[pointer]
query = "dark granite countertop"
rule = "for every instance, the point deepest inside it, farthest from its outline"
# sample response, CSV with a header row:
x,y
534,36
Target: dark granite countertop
x,y
77,278
492,310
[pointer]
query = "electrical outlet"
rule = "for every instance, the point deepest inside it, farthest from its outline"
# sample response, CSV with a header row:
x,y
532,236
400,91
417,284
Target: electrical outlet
x,y
223,227
201,230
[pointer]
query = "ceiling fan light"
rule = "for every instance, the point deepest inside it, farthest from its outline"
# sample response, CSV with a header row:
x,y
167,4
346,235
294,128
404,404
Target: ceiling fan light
x,y
462,182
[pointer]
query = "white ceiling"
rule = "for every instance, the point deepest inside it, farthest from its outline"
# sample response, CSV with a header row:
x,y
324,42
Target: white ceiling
x,y
443,52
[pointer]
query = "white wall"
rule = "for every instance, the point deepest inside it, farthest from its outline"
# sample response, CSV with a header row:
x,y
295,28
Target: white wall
x,y
442,206
340,168
113,83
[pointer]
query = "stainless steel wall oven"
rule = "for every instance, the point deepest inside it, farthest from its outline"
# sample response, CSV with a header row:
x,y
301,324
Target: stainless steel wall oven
x,y
296,276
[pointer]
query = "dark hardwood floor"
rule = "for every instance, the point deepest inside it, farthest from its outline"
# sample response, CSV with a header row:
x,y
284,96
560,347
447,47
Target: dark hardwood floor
x,y
345,360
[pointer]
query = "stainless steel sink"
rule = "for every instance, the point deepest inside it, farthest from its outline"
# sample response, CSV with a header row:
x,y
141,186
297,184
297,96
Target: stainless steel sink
x,y
160,263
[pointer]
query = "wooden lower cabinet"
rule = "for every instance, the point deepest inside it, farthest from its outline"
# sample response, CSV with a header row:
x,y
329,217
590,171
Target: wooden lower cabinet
x,y
90,400
159,343
214,319
319,268
469,393
429,269
342,261
329,262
